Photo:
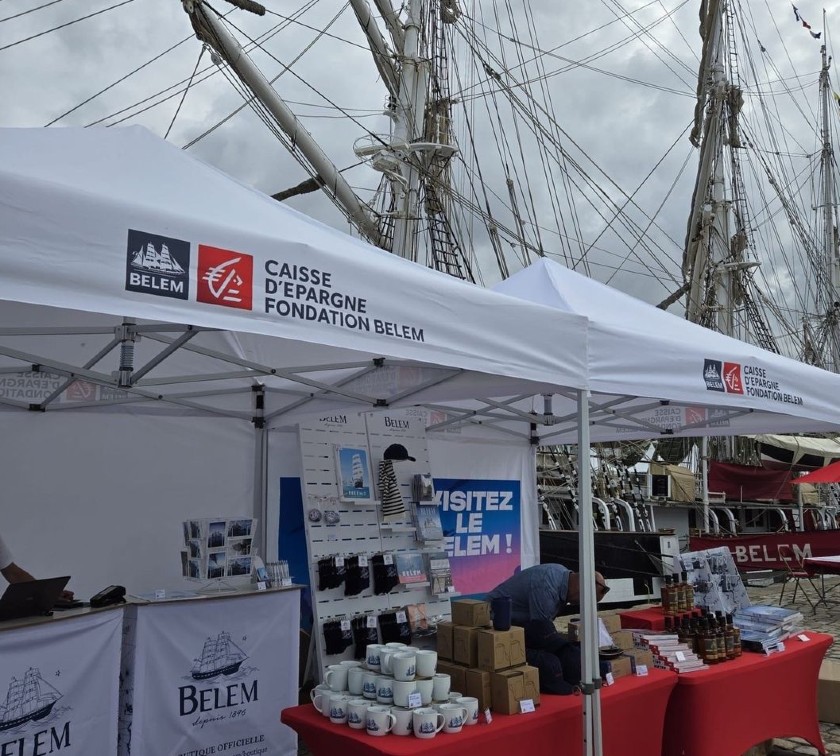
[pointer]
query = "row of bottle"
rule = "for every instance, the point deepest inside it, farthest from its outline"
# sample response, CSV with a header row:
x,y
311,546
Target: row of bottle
x,y
677,594
711,636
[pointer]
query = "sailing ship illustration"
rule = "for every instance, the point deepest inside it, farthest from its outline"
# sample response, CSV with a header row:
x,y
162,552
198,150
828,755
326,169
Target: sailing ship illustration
x,y
157,261
357,471
29,699
220,656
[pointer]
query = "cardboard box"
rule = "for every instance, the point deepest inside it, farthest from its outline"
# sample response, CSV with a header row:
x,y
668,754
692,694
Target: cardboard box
x,y
623,639
639,656
501,649
457,673
465,641
471,613
828,692
493,650
445,644
478,686
511,686
517,646
620,667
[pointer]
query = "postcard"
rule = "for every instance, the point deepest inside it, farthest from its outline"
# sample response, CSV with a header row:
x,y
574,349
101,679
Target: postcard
x,y
353,473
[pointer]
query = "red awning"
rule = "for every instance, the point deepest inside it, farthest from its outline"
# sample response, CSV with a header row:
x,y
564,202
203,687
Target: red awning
x,y
828,474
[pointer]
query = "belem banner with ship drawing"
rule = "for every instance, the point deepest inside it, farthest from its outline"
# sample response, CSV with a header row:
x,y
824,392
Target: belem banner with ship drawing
x,y
210,676
60,686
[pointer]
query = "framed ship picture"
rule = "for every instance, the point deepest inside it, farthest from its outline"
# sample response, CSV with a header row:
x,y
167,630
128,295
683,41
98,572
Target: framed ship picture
x,y
352,465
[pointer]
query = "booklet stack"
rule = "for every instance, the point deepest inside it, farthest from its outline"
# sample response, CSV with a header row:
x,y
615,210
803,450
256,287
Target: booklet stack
x,y
427,521
763,627
440,573
668,652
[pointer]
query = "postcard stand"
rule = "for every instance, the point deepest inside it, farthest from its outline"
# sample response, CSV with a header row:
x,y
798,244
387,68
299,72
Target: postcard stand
x,y
342,521
218,552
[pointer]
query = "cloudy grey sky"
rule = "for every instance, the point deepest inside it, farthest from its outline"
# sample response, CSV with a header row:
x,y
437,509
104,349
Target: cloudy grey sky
x,y
619,80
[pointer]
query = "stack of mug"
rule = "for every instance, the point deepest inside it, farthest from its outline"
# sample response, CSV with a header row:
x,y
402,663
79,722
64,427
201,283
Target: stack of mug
x,y
396,690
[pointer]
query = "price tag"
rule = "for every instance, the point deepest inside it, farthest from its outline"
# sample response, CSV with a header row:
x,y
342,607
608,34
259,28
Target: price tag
x,y
339,561
345,625
680,656
609,678
641,670
285,581
387,559
488,717
804,638
526,705
363,560
781,645
261,585
371,621
450,589
401,617
415,700
160,594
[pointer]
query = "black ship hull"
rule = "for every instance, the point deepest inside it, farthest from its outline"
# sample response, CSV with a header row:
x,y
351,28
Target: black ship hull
x,y
34,716
230,669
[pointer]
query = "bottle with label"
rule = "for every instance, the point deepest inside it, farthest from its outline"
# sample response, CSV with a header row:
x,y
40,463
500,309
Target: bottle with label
x,y
702,640
684,633
736,636
688,588
720,632
667,596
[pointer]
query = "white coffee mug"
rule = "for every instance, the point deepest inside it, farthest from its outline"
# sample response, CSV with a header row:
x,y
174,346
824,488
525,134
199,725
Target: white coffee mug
x,y
384,690
379,720
471,705
404,666
338,708
397,645
427,722
426,662
336,677
385,656
425,688
355,680
357,713
351,663
372,660
369,684
453,696
402,690
320,696
440,687
454,715
404,721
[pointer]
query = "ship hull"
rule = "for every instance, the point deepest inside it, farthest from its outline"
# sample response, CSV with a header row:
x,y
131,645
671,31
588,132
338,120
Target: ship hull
x,y
760,551
230,669
34,716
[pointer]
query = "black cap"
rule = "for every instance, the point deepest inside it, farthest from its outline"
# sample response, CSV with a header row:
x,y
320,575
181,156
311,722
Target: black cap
x,y
398,453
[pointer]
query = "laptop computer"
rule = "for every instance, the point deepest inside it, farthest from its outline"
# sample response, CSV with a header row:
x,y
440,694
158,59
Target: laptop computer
x,y
31,598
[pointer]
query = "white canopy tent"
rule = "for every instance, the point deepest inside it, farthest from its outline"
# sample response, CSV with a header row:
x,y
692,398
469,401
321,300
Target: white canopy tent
x,y
137,281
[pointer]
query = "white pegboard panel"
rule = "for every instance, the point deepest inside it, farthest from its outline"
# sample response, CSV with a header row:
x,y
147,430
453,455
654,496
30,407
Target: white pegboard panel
x,y
359,530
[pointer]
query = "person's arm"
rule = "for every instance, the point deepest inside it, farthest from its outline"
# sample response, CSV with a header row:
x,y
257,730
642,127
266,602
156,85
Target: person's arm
x,y
15,574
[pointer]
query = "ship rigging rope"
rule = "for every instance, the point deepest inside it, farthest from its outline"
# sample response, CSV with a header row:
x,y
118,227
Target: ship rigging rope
x,y
539,130
211,68
31,10
66,24
186,89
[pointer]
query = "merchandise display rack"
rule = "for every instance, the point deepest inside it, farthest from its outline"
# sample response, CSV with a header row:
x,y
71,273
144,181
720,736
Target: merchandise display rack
x,y
359,530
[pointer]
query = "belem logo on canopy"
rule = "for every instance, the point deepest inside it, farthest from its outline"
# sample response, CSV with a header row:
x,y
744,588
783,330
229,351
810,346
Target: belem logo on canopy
x,y
225,277
158,265
29,718
713,375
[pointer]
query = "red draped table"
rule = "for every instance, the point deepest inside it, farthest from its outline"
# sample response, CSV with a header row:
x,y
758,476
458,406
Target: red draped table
x,y
632,712
729,708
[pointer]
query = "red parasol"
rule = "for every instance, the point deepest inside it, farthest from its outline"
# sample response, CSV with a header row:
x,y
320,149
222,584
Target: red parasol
x,y
828,474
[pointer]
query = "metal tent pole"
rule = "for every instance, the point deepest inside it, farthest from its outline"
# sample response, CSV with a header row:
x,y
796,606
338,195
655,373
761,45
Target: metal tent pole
x,y
591,677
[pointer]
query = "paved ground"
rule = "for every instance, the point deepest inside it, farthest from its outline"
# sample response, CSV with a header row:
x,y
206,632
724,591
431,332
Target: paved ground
x,y
825,620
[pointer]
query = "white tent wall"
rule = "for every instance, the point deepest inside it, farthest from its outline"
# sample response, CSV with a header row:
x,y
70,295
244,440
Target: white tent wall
x,y
101,497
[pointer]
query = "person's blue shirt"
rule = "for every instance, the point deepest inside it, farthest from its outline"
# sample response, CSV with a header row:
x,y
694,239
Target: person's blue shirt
x,y
537,592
